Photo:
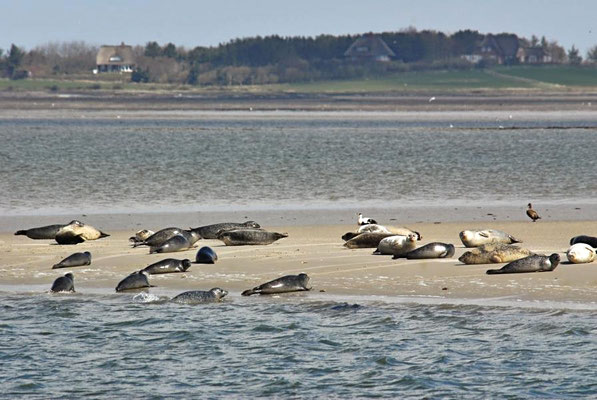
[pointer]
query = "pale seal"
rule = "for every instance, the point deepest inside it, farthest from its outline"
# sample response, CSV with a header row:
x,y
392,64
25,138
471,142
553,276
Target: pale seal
x,y
175,243
42,232
285,284
141,236
366,240
396,245
74,260
77,232
373,228
168,265
64,283
533,263
249,237
206,255
431,250
200,296
590,240
494,253
136,280
580,253
211,231
475,238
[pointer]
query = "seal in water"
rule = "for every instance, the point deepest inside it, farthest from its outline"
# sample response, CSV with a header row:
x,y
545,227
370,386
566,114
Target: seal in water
x,y
396,245
533,263
432,250
42,232
476,238
167,266
65,283
136,280
366,240
580,253
211,231
175,243
77,232
288,283
206,255
74,260
200,296
494,253
249,237
590,240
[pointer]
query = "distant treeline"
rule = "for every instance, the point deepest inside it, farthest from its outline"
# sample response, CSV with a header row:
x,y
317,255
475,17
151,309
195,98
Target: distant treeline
x,y
271,59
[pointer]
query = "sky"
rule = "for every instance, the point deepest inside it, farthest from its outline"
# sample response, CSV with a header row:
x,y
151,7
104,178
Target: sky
x,y
191,23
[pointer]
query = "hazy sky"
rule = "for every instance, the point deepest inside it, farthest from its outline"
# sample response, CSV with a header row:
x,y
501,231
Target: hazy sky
x,y
190,23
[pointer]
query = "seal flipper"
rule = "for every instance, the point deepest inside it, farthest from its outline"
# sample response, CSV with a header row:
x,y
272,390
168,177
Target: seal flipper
x,y
103,234
248,292
493,271
21,232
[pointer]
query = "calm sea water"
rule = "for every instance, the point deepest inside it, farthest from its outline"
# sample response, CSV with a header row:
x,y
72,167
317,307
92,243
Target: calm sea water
x,y
306,161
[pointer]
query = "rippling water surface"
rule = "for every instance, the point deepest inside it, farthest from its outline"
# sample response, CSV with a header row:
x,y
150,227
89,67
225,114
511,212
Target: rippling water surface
x,y
109,346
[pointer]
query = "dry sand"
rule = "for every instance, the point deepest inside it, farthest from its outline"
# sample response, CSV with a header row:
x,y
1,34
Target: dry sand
x,y
25,264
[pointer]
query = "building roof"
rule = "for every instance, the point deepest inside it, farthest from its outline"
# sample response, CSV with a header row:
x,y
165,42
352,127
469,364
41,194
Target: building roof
x,y
115,55
369,46
503,45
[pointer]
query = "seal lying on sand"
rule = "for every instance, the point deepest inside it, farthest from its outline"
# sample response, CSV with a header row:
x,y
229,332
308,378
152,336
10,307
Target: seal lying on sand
x,y
396,245
366,240
200,296
431,250
374,228
533,263
288,283
175,243
211,231
136,280
65,283
494,253
163,235
78,232
249,237
580,253
590,240
167,266
42,232
141,236
206,255
74,260
475,238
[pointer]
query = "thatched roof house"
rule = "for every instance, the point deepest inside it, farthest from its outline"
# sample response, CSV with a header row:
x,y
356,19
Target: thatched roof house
x,y
115,59
501,48
369,47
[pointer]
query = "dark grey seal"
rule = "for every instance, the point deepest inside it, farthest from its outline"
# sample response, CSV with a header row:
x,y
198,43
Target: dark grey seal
x,y
168,265
42,232
211,231
432,250
163,235
534,263
590,240
136,280
288,283
367,240
68,237
175,243
74,260
200,296
65,283
206,255
249,237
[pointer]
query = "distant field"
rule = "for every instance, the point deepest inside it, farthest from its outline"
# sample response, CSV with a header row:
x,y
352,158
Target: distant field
x,y
557,75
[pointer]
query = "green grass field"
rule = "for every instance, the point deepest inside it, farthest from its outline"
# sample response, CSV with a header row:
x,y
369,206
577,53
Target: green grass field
x,y
556,75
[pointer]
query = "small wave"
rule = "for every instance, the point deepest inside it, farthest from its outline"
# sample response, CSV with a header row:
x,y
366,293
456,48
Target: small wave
x,y
145,297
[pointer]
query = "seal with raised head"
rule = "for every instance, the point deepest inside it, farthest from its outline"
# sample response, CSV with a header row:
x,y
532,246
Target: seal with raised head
x,y
476,238
64,283
241,237
285,284
206,255
141,236
136,280
590,240
168,265
174,244
200,296
366,240
580,253
494,253
42,232
74,260
211,231
532,263
78,232
396,245
431,250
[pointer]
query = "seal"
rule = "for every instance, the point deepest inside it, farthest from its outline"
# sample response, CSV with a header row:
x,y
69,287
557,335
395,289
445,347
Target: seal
x,y
532,214
42,232
74,260
494,253
141,236
285,284
580,253
476,238
163,235
396,245
167,266
77,232
373,228
431,250
211,231
364,220
175,243
136,280
200,296
249,237
533,263
206,255
366,240
590,240
64,283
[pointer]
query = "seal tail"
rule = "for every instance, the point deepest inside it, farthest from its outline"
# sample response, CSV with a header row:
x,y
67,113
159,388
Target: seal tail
x,y
21,232
103,234
56,266
248,292
493,271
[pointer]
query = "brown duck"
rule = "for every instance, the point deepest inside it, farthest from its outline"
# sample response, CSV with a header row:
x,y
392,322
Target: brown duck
x,y
532,213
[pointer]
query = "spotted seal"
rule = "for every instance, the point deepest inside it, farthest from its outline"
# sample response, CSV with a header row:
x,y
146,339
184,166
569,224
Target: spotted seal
x,y
42,232
163,235
431,250
206,255
136,280
580,253
494,253
475,238
74,260
532,263
141,236
211,231
200,296
168,265
396,245
288,283
241,237
64,283
175,243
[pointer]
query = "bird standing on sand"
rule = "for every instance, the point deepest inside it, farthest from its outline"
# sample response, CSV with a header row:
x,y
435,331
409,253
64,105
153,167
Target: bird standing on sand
x,y
532,213
364,220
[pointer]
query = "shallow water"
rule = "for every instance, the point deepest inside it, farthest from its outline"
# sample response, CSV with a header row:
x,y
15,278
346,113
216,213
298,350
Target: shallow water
x,y
299,346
